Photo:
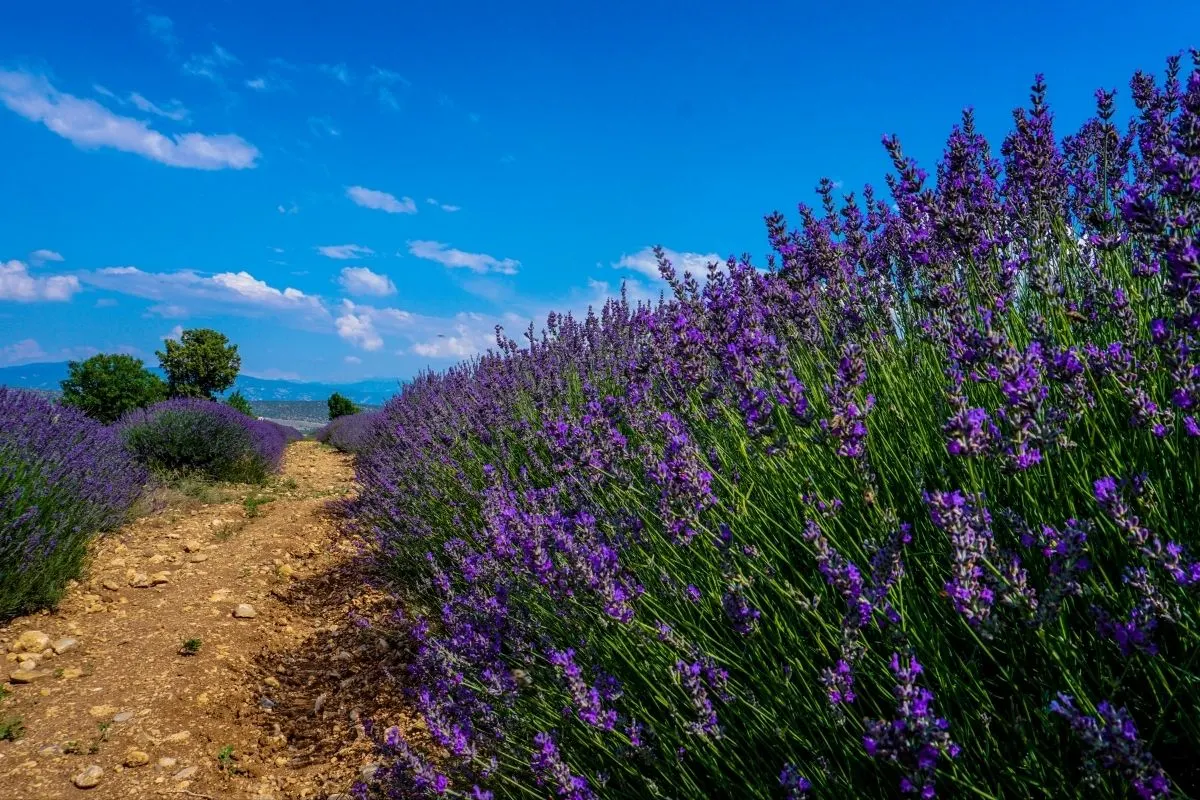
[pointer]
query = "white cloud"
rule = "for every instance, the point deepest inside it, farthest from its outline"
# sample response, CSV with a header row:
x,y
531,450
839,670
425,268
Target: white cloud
x,y
323,126
208,65
643,261
387,99
352,360
105,302
161,28
343,252
184,292
176,111
88,125
291,208
387,76
451,257
24,351
443,206
17,284
338,71
174,333
382,201
360,280
467,340
358,329
268,83
39,257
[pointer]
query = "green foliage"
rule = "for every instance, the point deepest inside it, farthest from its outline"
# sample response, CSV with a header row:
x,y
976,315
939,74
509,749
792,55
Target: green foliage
x,y
190,647
11,729
108,385
341,406
238,400
254,503
200,364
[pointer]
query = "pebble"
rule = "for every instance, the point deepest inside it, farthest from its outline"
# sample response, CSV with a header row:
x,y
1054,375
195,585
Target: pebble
x,y
320,704
367,773
111,585
271,681
72,672
140,580
27,665
166,762
191,546
245,611
28,676
64,645
185,774
266,703
89,778
159,578
220,595
124,716
175,738
137,758
31,642
198,558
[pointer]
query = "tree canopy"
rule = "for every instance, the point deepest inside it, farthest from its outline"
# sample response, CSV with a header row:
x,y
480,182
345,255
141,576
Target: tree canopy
x,y
200,364
108,385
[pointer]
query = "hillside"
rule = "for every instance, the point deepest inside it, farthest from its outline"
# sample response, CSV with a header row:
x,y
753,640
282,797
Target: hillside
x,y
375,391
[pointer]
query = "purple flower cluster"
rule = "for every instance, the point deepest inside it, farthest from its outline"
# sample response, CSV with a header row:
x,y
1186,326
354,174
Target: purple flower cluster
x,y
195,435
916,738
63,478
592,518
1111,738
980,574
352,433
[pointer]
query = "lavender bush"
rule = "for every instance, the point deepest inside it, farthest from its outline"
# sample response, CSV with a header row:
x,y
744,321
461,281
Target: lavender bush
x,y
911,511
63,478
188,435
350,433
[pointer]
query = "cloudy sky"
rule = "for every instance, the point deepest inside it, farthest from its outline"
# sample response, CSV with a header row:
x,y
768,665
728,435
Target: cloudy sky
x,y
364,188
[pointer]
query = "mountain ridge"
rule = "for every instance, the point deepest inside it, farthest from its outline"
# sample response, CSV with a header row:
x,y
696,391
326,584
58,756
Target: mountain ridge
x,y
46,376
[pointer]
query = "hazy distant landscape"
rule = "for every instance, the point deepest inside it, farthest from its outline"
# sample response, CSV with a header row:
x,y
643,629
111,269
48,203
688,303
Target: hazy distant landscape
x,y
370,392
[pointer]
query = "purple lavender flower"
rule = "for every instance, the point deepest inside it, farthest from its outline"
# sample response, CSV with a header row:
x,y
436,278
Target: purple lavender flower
x,y
1111,739
795,786
588,699
915,739
548,767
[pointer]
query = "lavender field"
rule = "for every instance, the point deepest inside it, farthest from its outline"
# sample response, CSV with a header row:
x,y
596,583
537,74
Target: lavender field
x,y
908,510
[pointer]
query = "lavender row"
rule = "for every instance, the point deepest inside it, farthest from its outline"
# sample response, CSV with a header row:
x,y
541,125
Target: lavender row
x,y
63,478
350,433
205,437
911,510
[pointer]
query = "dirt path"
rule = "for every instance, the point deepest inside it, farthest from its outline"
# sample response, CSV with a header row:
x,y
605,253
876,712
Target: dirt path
x,y
271,702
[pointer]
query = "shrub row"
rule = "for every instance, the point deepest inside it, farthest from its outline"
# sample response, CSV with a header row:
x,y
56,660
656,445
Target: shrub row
x,y
63,478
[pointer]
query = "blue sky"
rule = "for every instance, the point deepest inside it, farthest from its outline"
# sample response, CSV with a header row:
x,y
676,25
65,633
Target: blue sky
x,y
361,189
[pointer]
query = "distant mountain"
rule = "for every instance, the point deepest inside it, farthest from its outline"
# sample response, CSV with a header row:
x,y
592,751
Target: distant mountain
x,y
375,391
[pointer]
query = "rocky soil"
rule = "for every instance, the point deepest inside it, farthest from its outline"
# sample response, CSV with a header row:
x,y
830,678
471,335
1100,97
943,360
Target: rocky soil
x,y
224,646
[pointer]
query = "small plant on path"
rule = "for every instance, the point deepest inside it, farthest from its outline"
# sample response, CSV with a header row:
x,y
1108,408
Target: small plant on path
x,y
190,647
254,503
11,729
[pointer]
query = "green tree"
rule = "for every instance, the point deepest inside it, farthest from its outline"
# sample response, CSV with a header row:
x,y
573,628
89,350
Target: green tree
x,y
200,364
108,385
341,406
238,400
